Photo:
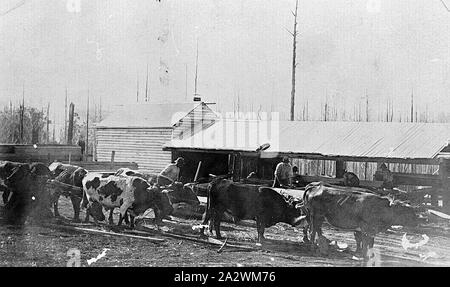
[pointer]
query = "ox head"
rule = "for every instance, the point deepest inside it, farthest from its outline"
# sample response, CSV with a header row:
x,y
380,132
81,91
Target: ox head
x,y
159,199
40,172
404,214
96,211
56,168
297,214
6,169
296,211
77,176
178,192
18,175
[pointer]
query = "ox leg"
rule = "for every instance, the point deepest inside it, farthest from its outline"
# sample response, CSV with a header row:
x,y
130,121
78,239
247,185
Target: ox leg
x,y
358,239
131,221
110,218
217,218
367,244
365,241
76,203
5,194
55,206
121,218
260,226
371,241
316,226
206,219
127,220
305,234
158,216
88,211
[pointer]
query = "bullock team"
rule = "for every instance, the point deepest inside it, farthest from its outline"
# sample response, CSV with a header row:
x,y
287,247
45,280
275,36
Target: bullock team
x,y
26,193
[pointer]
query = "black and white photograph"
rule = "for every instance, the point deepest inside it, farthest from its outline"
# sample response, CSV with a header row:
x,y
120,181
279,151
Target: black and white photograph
x,y
220,134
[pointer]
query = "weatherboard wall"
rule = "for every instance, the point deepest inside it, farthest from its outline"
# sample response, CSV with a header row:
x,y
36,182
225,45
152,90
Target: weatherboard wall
x,y
143,146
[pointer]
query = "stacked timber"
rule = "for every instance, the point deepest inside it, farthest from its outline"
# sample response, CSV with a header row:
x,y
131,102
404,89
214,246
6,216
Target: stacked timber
x,y
104,166
41,153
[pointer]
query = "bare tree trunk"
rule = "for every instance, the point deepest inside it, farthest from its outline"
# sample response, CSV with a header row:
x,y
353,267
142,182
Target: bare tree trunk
x,y
196,74
186,82
86,150
146,86
48,123
54,125
412,106
294,64
65,118
137,89
70,130
22,113
367,107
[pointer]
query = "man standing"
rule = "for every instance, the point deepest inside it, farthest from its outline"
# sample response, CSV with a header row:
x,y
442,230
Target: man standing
x,y
171,173
283,174
82,144
388,178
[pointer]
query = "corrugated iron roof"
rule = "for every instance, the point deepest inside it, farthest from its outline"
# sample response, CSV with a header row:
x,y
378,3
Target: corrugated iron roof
x,y
351,139
147,115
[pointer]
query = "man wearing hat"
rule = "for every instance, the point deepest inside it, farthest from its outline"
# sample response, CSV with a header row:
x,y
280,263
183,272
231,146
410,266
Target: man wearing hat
x,y
171,173
283,174
388,179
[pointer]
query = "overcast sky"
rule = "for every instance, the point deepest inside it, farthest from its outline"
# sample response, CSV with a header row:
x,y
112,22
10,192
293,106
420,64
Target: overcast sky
x,y
346,48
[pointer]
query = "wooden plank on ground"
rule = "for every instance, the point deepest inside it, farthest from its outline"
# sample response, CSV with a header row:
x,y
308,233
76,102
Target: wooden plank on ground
x,y
101,232
208,240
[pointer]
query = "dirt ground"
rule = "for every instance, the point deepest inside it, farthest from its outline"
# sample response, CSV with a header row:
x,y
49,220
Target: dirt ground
x,y
35,245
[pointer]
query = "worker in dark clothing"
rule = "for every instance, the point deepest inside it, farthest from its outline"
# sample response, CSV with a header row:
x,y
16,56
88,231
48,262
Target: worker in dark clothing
x,y
297,179
283,174
82,144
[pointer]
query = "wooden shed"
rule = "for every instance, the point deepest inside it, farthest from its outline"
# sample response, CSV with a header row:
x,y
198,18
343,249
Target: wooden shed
x,y
137,132
418,154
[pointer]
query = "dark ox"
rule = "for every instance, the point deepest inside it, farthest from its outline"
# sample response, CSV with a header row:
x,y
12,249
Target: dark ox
x,y
350,179
354,209
263,204
6,170
132,194
57,167
178,192
28,193
72,175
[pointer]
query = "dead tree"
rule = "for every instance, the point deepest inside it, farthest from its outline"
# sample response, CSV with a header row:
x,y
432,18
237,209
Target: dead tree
x,y
65,117
48,122
146,86
87,129
294,64
70,131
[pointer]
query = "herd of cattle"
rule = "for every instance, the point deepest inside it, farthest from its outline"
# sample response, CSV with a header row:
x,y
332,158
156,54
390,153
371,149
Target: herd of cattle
x,y
26,193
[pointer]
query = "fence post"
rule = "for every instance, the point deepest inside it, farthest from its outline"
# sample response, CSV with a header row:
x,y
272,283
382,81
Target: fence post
x,y
113,153
340,168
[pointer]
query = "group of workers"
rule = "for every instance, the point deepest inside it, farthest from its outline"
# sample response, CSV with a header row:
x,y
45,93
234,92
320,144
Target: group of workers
x,y
285,174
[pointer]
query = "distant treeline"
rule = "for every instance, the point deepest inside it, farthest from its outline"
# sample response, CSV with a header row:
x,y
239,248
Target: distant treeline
x,y
23,125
